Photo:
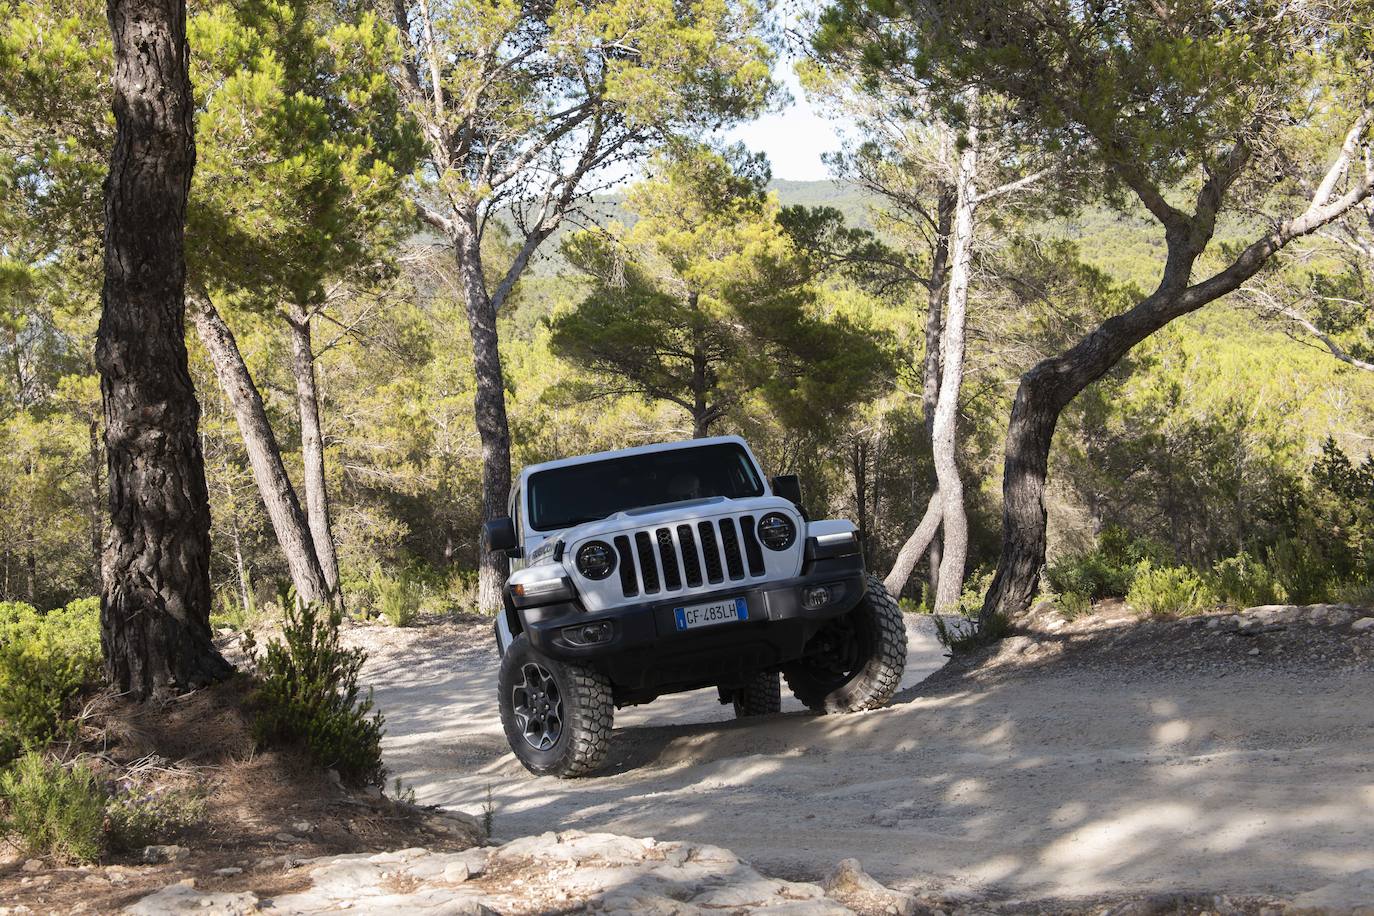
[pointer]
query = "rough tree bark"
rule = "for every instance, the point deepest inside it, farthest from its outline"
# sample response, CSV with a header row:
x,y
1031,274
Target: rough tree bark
x,y
1053,383
944,438
278,496
490,406
155,605
312,448
96,520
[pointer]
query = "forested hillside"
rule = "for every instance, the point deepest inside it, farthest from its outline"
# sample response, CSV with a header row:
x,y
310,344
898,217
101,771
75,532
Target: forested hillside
x,y
1194,444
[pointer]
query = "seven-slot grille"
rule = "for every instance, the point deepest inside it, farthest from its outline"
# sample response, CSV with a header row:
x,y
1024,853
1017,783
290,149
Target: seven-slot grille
x,y
667,559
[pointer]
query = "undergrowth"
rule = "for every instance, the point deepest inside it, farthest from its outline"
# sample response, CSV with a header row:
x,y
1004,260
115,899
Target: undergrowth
x,y
309,693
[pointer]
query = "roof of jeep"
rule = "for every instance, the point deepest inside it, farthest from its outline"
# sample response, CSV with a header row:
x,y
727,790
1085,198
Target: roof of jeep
x,y
637,450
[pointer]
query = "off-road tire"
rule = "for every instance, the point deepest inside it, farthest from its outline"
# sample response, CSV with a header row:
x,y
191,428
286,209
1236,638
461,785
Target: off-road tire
x,y
879,651
761,696
584,738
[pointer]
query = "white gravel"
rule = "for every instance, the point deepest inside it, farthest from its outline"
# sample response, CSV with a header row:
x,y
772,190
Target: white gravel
x,y
1057,781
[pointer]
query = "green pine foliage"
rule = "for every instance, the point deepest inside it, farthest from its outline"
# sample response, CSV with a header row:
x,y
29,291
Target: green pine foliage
x,y
309,694
399,597
1169,591
45,662
1222,442
51,808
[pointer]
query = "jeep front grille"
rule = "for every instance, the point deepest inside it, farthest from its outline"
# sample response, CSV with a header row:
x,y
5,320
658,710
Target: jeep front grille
x,y
667,559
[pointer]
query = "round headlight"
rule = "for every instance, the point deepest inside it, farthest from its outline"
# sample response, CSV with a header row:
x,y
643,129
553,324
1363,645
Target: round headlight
x,y
777,531
595,559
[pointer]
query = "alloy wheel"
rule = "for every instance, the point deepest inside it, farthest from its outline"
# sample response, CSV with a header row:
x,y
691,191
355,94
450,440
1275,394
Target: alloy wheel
x,y
538,706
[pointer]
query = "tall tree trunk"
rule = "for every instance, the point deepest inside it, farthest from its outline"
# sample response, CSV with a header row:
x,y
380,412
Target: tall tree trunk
x,y
926,537
1053,383
155,606
93,477
915,546
269,471
947,198
490,407
944,438
858,463
312,449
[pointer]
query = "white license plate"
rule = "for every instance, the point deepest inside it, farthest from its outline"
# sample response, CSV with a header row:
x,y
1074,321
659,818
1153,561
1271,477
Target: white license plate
x,y
708,615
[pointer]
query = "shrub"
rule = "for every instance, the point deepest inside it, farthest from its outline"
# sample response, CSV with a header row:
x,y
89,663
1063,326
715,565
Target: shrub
x,y
1242,581
1073,605
1358,594
971,599
137,815
1107,570
45,660
1302,568
230,612
398,598
1164,591
309,693
53,809
966,634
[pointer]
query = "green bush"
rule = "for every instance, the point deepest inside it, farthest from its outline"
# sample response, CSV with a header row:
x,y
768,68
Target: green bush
x,y
1359,594
309,693
1243,581
137,815
398,597
1105,571
1073,605
52,809
1166,591
231,613
45,660
967,634
975,588
1303,568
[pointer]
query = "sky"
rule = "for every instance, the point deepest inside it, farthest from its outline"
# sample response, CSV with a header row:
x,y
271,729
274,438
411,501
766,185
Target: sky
x,y
793,138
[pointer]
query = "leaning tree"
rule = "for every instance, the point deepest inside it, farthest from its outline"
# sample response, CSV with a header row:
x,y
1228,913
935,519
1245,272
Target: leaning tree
x,y
1250,111
155,610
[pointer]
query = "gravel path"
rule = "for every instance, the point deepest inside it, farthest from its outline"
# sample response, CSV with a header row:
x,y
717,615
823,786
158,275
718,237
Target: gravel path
x,y
1036,773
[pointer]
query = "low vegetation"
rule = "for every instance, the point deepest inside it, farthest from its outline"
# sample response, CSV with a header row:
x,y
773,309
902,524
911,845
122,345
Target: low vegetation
x,y
309,693
45,661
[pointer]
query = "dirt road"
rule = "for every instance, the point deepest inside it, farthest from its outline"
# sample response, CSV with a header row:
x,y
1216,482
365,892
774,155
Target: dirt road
x,y
1195,765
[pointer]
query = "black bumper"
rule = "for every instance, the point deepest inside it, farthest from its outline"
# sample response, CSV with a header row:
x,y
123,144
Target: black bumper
x,y
645,654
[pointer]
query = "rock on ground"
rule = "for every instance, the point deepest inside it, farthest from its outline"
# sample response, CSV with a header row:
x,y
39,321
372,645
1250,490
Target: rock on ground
x,y
597,872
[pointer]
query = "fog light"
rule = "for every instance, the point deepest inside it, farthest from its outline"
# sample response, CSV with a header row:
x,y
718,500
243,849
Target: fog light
x,y
815,597
588,634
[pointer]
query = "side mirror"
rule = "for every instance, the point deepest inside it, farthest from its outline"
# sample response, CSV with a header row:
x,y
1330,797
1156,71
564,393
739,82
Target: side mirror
x,y
788,486
499,535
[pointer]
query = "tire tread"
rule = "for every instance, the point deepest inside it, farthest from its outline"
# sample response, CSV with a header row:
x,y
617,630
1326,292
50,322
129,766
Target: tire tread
x,y
762,696
878,682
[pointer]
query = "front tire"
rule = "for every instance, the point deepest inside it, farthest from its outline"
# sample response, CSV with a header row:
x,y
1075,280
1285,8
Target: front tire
x,y
856,661
760,696
557,716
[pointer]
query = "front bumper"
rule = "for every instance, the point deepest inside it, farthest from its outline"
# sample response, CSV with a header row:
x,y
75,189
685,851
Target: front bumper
x,y
645,655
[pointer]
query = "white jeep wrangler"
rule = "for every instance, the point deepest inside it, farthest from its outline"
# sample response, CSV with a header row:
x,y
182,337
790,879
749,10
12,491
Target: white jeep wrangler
x,y
673,567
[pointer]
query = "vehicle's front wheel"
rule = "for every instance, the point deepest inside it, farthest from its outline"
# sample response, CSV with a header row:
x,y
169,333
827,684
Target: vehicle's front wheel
x,y
557,716
760,696
856,661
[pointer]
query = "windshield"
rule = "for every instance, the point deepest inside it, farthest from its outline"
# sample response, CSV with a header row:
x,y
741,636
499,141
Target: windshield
x,y
563,497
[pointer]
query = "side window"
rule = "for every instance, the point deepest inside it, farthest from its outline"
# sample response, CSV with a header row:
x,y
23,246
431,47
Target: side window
x,y
515,515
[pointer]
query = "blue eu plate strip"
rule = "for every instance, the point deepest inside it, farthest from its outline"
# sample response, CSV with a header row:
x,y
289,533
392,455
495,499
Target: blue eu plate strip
x,y
742,609
681,614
